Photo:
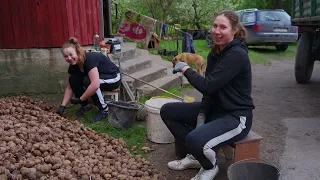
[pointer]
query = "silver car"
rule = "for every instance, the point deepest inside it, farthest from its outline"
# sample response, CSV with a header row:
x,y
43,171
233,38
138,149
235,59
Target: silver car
x,y
266,27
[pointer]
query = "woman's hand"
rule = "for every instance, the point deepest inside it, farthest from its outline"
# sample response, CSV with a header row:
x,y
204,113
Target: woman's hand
x,y
200,119
180,67
60,110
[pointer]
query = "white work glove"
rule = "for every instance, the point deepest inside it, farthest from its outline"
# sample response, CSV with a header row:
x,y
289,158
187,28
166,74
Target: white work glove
x,y
178,67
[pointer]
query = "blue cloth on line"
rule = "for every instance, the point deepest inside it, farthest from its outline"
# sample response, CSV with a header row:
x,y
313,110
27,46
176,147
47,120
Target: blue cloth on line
x,y
164,29
187,43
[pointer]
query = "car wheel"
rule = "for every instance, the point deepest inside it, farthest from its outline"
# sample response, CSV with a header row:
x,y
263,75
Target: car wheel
x,y
304,63
209,40
282,47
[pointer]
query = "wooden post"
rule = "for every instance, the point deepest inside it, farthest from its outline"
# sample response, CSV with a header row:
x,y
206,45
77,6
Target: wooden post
x,y
107,18
101,19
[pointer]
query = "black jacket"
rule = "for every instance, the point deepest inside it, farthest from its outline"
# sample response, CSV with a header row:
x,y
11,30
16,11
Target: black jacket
x,y
228,81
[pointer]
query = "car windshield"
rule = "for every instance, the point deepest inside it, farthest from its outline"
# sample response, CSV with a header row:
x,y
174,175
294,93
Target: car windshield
x,y
274,16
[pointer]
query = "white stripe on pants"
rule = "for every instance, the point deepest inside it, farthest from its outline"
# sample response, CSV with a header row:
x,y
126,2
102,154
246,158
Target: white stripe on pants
x,y
207,149
107,81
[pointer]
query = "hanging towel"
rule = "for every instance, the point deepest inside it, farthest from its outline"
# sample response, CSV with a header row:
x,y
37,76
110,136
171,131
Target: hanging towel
x,y
164,29
187,43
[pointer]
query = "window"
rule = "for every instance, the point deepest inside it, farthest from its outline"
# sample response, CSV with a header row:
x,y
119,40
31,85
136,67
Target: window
x,y
248,17
274,16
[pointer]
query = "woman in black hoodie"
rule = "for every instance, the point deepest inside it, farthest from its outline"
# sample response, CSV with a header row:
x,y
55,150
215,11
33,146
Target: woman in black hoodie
x,y
225,114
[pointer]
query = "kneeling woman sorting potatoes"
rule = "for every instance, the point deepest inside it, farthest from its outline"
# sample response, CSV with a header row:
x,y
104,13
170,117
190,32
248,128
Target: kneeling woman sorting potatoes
x,y
89,74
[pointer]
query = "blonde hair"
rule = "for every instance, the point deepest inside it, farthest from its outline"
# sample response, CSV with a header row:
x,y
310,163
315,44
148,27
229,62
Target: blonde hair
x,y
74,43
241,34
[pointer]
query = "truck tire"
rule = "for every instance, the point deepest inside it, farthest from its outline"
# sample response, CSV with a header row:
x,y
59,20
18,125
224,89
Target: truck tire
x,y
304,63
209,40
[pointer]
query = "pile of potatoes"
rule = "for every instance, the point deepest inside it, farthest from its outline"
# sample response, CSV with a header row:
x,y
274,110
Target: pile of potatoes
x,y
36,143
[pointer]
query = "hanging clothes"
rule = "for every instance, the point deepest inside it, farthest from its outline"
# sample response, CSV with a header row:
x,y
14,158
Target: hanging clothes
x,y
187,43
164,29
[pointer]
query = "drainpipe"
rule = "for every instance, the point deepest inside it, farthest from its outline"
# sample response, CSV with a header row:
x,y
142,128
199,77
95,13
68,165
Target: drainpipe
x,y
108,16
101,19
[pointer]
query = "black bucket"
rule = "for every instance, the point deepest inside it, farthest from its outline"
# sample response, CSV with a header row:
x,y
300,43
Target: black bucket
x,y
142,113
180,149
247,170
122,114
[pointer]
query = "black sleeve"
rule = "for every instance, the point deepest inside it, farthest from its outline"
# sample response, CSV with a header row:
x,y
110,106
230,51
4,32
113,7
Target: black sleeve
x,y
224,72
204,106
91,63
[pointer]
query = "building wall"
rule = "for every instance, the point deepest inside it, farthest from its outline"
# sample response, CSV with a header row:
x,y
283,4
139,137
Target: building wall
x,y
32,71
47,23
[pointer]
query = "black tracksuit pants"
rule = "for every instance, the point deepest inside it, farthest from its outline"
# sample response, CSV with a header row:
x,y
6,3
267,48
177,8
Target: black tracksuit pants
x,y
79,83
219,129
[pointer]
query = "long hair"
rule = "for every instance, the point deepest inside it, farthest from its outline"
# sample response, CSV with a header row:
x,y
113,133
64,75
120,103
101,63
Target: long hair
x,y
233,18
74,43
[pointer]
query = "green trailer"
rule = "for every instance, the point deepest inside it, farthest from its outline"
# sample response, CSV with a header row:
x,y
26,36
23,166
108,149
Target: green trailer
x,y
306,16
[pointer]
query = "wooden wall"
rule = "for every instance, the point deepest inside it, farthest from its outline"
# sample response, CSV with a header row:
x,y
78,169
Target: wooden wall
x,y
47,23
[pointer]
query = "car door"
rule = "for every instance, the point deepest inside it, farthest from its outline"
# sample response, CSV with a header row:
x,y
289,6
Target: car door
x,y
276,23
272,21
248,19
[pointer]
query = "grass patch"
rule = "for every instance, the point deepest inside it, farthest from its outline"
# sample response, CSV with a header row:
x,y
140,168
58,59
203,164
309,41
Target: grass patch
x,y
143,99
263,54
257,55
176,91
188,86
134,136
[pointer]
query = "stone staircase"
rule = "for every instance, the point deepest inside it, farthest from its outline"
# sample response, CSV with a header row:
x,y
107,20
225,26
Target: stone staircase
x,y
140,64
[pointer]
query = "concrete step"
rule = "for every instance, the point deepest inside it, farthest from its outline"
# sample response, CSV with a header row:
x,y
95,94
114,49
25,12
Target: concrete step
x,y
138,64
165,82
128,51
182,77
158,60
148,75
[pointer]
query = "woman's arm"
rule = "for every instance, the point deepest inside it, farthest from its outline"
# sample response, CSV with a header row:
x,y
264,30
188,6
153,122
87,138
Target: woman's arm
x,y
67,95
225,71
94,84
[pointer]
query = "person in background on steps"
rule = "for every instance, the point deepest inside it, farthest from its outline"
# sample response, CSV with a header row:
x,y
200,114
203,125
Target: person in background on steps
x,y
225,114
89,73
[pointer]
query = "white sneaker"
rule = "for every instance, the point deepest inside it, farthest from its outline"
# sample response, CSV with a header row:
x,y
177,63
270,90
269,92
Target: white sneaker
x,y
206,174
188,162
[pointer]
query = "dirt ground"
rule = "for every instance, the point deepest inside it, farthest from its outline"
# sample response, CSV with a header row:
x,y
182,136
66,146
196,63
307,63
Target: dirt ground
x,y
276,96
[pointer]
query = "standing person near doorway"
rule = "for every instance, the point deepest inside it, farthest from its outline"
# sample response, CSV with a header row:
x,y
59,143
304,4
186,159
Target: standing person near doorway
x,y
89,74
225,114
